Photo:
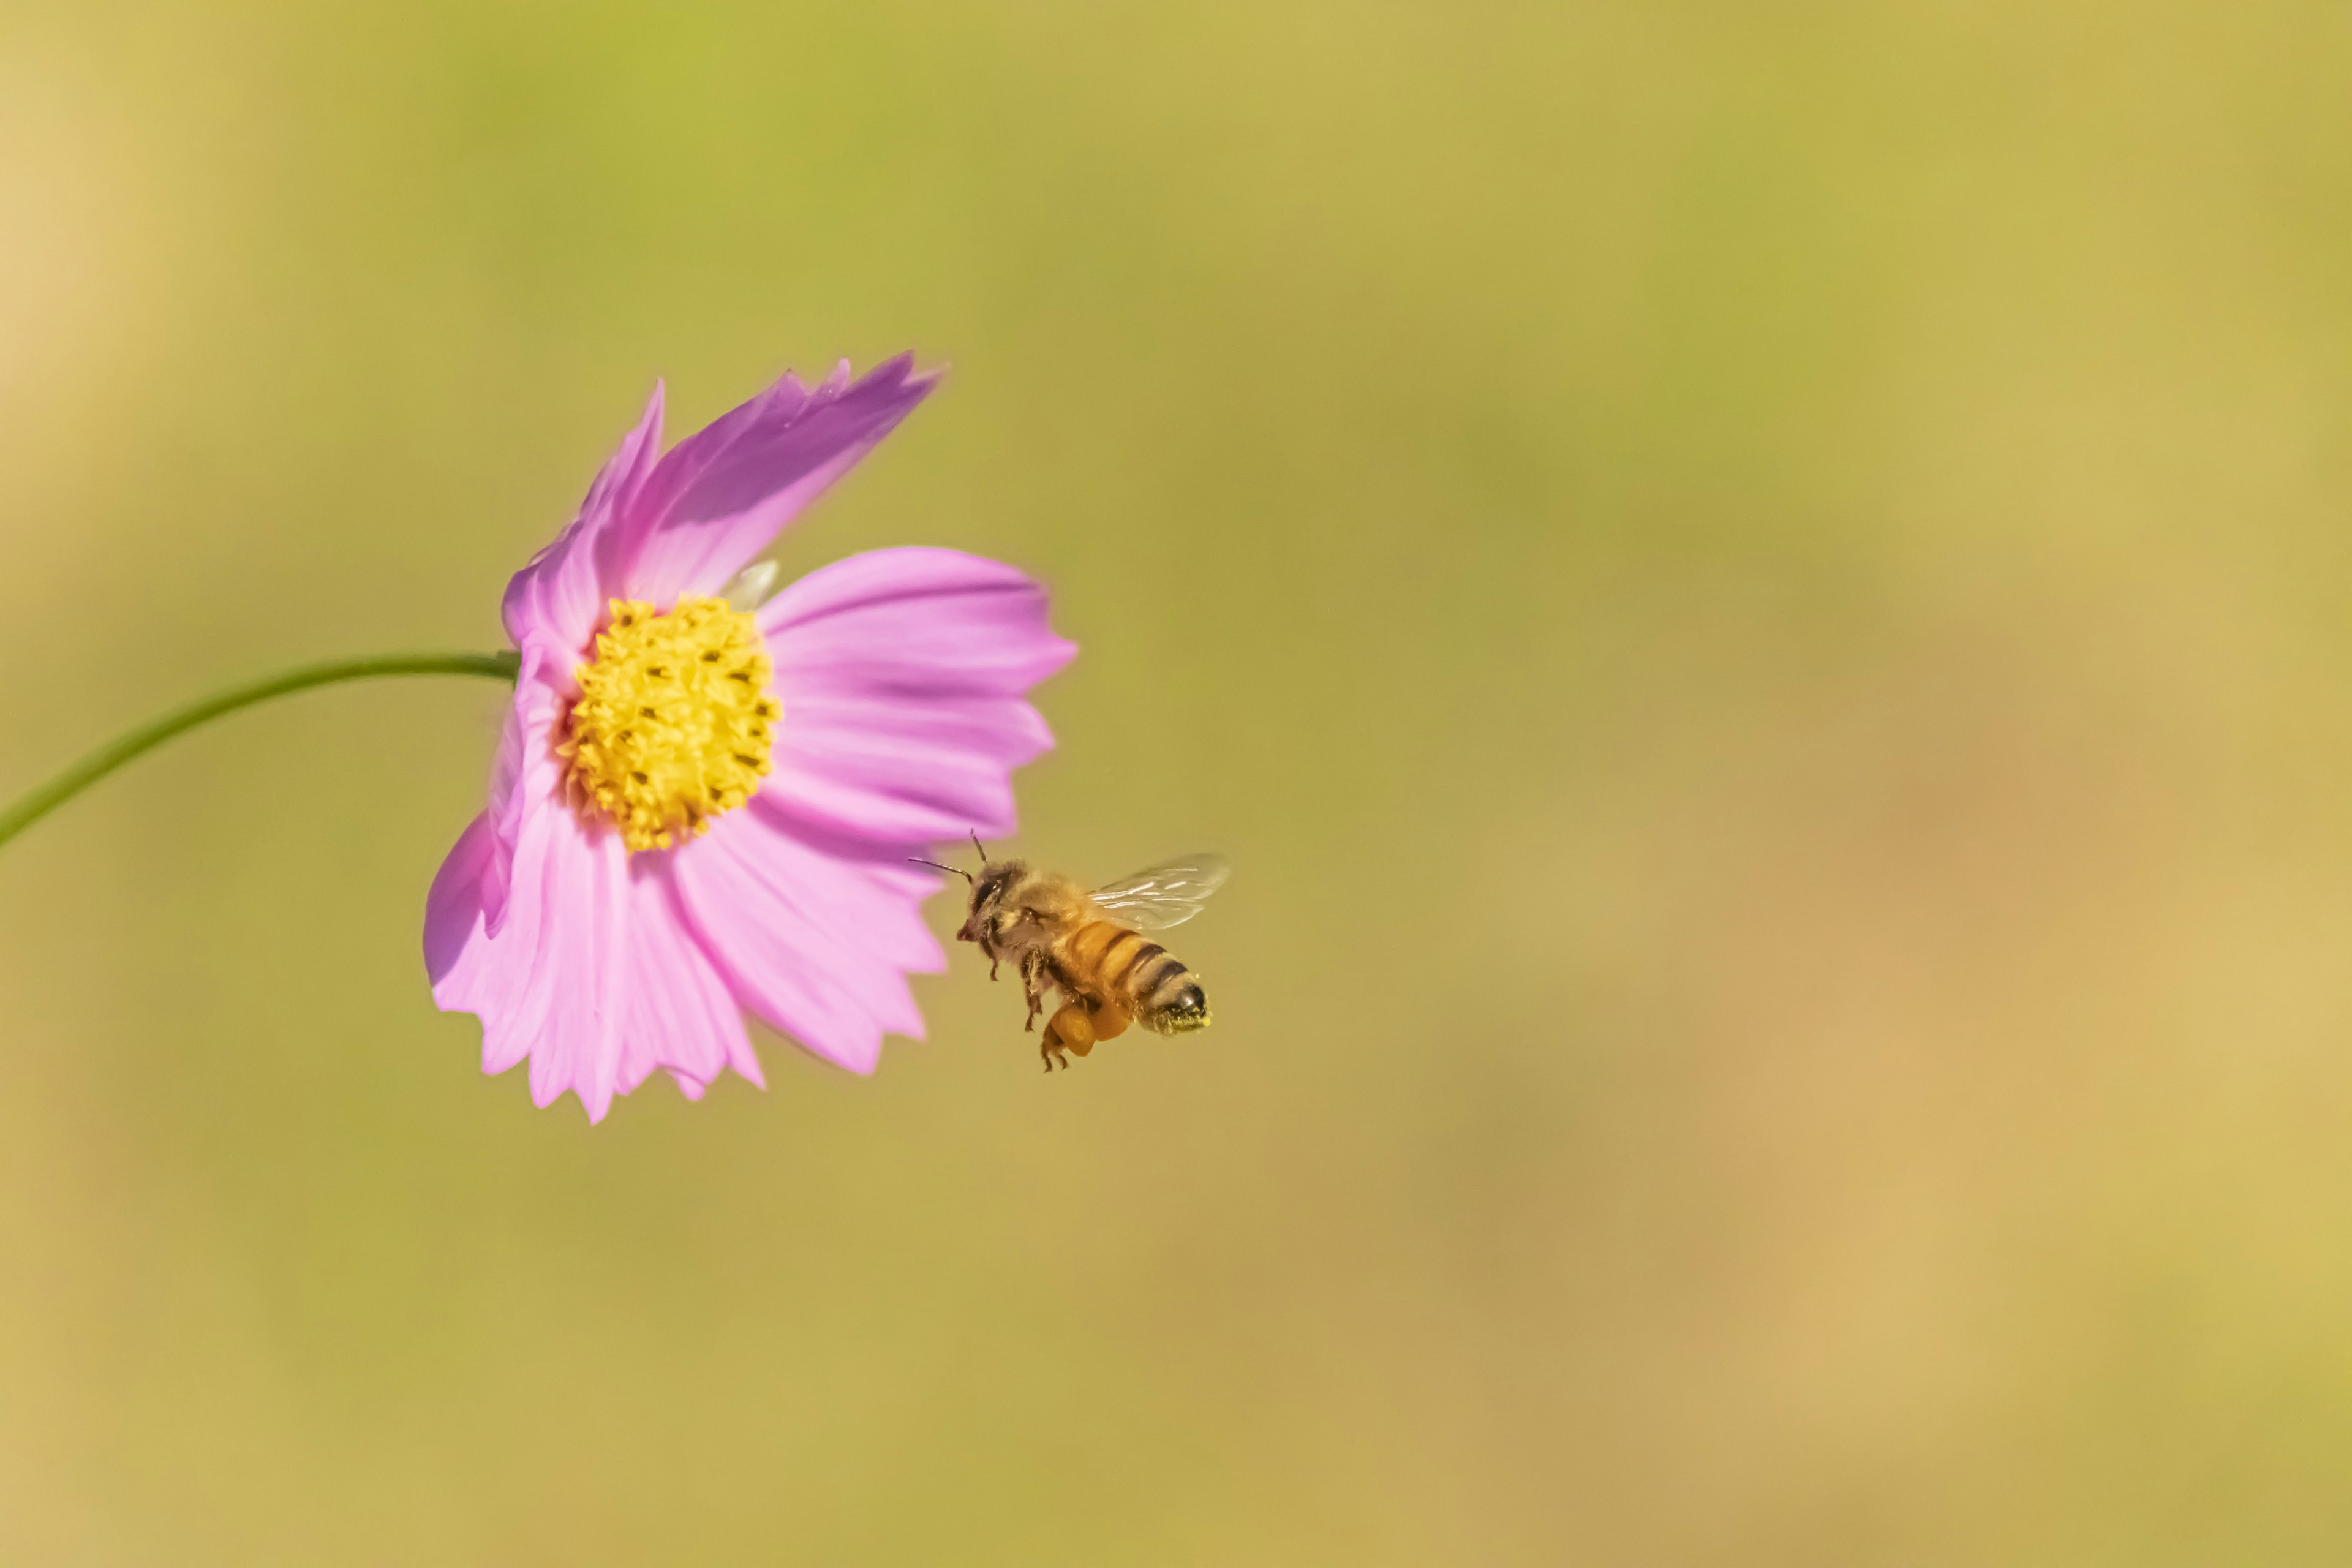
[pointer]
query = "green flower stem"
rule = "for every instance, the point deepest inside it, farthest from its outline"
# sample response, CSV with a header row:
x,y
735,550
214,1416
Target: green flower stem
x,y
34,807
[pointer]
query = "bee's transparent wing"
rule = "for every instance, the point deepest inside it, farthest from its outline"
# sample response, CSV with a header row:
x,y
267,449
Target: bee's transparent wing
x,y
1166,895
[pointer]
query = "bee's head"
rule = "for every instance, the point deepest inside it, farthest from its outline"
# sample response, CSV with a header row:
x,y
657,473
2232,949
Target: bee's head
x,y
990,885
995,883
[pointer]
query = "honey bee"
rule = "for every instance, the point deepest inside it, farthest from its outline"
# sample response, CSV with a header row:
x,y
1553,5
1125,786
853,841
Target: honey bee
x,y
1089,946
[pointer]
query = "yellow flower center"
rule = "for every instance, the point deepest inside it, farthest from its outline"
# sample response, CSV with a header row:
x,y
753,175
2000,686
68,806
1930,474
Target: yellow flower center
x,y
674,719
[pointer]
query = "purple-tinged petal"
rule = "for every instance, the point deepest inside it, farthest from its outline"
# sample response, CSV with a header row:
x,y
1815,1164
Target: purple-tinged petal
x,y
915,622
584,933
876,892
901,674
496,978
589,952
525,766
457,959
680,1014
768,909
561,594
721,495
495,974
875,770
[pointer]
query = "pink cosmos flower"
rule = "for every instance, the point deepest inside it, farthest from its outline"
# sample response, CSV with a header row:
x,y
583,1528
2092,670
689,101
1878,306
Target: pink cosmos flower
x,y
702,805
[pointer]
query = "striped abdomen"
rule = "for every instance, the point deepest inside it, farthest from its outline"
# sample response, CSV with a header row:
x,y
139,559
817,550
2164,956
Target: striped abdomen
x,y
1119,965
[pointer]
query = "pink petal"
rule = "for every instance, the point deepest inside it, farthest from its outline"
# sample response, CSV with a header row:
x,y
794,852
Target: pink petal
x,y
561,594
901,775
721,495
680,1016
917,622
474,972
455,957
582,934
525,766
595,978
875,891
547,988
901,674
492,970
776,914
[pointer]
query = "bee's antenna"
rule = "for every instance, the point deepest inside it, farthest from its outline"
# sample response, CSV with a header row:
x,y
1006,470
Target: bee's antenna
x,y
975,844
937,867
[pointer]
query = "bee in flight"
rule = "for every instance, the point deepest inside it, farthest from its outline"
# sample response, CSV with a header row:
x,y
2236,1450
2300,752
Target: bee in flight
x,y
1089,946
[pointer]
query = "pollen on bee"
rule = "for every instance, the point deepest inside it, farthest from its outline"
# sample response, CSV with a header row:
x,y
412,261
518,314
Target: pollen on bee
x,y
671,728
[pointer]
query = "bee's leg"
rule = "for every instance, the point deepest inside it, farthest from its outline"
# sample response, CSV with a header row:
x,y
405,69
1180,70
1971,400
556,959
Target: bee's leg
x,y
1071,1029
1034,979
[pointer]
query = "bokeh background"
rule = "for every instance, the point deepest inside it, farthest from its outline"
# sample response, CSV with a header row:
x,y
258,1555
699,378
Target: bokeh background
x,y
1759,594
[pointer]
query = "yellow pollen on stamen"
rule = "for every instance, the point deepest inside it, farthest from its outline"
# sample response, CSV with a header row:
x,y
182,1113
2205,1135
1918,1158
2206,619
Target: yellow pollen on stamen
x,y
674,719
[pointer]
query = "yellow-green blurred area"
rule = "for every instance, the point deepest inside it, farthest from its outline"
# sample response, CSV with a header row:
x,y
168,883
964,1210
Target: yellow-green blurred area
x,y
1757,593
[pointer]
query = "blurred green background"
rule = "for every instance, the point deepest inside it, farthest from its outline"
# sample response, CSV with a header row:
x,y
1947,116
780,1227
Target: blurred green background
x,y
1757,592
